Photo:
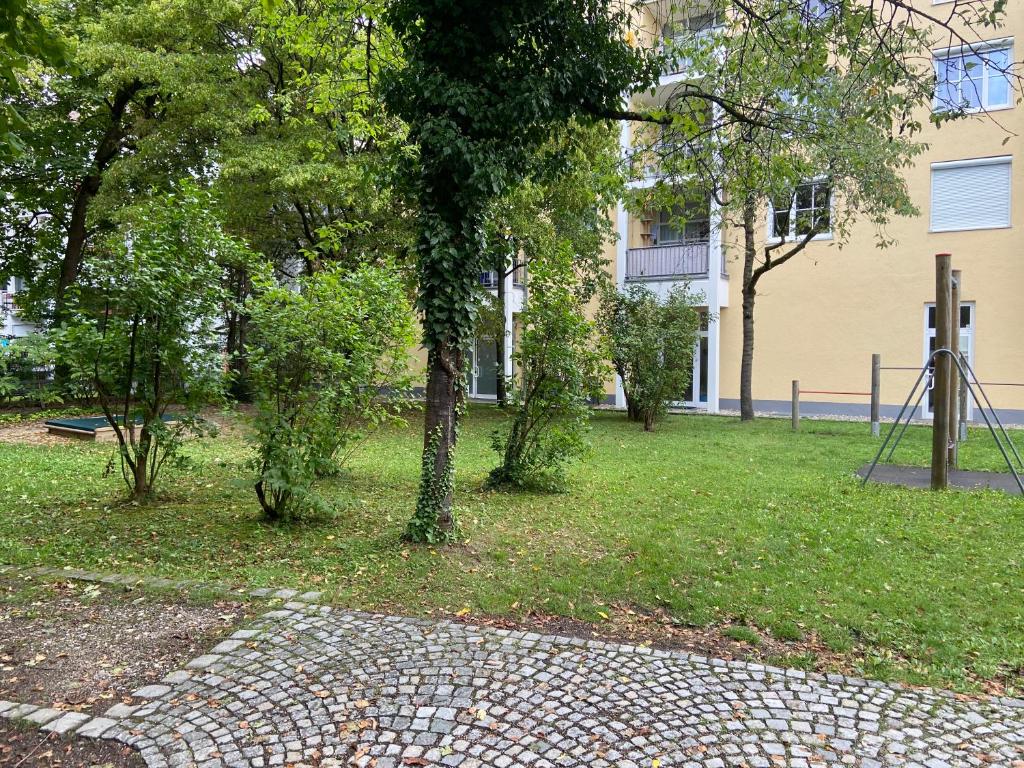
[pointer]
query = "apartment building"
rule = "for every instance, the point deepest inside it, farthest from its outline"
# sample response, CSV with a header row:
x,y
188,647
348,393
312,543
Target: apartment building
x,y
11,325
821,316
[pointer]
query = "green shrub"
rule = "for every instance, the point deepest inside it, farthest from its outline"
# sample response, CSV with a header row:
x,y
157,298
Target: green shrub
x,y
560,372
328,362
142,332
651,346
26,372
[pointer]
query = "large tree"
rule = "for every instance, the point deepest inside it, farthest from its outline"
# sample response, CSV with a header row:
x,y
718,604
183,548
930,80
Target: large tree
x,y
148,96
308,177
25,41
484,84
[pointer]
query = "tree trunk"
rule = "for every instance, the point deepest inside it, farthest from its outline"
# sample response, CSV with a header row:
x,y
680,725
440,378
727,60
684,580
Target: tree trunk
x,y
433,521
632,411
749,295
649,421
502,392
140,472
237,337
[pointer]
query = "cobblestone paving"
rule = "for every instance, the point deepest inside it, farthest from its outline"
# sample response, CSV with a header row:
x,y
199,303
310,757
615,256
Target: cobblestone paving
x,y
308,684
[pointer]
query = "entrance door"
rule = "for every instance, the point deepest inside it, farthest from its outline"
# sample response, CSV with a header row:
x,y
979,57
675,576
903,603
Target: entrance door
x,y
486,373
697,391
482,369
966,347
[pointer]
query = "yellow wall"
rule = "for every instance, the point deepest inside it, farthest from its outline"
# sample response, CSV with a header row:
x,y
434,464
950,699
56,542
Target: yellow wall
x,y
821,316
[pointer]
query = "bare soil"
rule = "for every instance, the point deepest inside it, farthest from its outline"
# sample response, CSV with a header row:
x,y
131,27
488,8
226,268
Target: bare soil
x,y
79,647
635,626
23,747
31,433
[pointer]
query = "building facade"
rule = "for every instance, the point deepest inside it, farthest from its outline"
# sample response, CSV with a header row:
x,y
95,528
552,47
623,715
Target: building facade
x,y
820,317
11,325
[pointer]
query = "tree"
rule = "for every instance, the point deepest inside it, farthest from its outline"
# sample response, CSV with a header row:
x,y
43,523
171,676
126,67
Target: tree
x,y
651,345
574,179
821,122
143,331
24,40
483,85
151,89
560,372
308,177
329,363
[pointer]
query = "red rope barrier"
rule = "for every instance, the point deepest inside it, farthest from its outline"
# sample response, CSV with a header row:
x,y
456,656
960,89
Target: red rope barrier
x,y
826,392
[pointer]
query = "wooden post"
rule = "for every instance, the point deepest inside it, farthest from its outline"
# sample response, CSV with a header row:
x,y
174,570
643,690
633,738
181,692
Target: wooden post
x,y
796,404
876,394
940,392
954,371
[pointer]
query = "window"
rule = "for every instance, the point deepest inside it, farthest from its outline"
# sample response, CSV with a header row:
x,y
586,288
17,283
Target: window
x,y
972,79
681,29
809,207
681,226
971,194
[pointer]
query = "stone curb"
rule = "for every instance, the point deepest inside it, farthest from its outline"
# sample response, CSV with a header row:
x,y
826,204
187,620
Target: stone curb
x,y
180,585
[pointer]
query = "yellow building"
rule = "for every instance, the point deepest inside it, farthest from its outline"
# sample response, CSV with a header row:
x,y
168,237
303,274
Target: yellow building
x,y
820,317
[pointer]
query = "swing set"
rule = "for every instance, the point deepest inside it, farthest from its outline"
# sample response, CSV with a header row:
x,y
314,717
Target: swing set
x,y
952,380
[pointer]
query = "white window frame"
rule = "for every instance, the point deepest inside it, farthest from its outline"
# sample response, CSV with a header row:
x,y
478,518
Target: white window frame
x,y
971,50
930,333
791,236
951,164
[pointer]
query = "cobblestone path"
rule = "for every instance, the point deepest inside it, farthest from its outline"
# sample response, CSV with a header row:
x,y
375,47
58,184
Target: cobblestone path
x,y
316,686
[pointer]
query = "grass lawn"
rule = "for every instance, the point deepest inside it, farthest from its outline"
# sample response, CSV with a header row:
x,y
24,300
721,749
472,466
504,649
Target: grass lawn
x,y
708,522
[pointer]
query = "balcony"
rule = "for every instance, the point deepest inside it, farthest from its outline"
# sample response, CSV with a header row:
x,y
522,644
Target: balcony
x,y
687,260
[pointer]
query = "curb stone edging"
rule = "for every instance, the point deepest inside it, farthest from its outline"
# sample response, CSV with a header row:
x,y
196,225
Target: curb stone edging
x,y
156,582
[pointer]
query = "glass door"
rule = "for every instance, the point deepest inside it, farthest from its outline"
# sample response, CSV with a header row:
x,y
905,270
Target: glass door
x,y
482,369
697,391
966,349
486,368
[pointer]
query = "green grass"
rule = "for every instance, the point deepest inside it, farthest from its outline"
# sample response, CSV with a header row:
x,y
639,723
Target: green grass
x,y
708,520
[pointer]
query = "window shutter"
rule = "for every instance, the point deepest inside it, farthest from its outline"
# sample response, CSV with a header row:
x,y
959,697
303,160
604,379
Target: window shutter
x,y
970,195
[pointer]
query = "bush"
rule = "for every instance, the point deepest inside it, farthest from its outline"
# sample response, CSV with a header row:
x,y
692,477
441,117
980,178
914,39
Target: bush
x,y
26,372
328,362
651,346
142,331
559,374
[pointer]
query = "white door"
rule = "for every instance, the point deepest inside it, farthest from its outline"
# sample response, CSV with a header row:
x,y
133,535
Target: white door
x,y
697,392
966,348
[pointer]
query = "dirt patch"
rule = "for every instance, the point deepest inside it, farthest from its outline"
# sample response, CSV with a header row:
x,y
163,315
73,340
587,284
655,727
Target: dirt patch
x,y
79,647
23,747
656,629
31,433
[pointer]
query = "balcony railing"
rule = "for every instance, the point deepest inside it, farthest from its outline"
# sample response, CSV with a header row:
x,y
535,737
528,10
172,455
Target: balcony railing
x,y
676,260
